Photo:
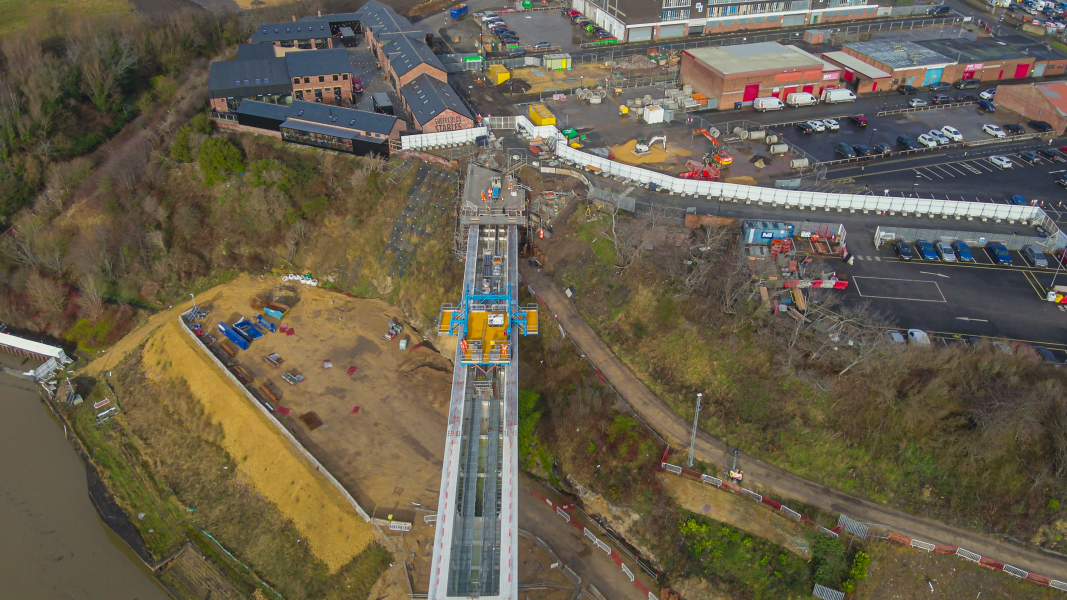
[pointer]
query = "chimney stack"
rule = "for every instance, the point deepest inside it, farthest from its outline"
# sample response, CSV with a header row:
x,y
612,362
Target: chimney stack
x,y
294,18
320,13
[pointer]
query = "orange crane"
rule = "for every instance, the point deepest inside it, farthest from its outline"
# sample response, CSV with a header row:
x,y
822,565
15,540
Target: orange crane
x,y
717,153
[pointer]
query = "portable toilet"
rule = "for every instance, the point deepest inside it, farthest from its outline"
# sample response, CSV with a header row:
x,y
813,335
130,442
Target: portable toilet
x,y
498,74
556,62
540,115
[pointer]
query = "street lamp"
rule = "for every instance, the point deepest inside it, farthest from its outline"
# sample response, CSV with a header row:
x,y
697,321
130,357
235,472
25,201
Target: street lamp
x,y
871,141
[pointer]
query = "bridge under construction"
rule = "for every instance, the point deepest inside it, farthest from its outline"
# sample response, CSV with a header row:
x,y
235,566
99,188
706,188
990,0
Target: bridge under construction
x,y
475,552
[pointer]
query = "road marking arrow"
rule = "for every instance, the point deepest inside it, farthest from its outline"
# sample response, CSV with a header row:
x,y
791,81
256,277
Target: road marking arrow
x,y
1060,171
970,319
938,274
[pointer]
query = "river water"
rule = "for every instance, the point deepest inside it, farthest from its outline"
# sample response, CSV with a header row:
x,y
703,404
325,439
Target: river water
x,y
52,542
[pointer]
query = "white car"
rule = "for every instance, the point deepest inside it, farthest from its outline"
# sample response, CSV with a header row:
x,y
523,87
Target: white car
x,y
917,103
1001,161
817,125
988,94
918,337
927,141
831,124
952,133
894,336
945,251
993,130
940,137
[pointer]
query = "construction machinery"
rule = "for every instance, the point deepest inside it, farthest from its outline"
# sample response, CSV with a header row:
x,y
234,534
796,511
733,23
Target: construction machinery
x,y
736,475
709,174
718,153
644,147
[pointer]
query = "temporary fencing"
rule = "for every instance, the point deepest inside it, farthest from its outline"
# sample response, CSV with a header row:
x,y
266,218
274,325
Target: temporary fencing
x,y
613,553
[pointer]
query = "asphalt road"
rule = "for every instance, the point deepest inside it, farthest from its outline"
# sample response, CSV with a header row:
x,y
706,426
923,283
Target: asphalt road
x,y
760,475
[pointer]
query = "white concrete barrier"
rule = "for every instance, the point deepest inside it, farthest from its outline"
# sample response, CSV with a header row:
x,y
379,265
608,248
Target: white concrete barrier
x,y
442,138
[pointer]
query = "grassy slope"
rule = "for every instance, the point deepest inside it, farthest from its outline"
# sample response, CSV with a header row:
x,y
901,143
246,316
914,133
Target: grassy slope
x,y
17,13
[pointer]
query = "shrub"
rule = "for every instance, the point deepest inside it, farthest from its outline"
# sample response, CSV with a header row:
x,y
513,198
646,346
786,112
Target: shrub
x,y
180,149
217,158
829,562
201,124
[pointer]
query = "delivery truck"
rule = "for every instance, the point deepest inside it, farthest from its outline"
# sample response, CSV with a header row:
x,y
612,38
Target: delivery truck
x,y
801,99
765,104
838,95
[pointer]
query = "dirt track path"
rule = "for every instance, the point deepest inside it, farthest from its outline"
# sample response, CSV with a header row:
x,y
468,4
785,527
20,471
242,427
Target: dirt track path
x,y
760,475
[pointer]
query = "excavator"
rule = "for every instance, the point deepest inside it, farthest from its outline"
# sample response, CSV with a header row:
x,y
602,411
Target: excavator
x,y
718,153
644,147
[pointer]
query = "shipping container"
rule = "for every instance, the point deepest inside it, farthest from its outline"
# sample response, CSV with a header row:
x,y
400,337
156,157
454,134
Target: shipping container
x,y
763,232
540,115
498,74
556,62
457,11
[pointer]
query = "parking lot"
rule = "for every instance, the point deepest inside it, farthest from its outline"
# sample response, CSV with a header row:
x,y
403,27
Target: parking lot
x,y
956,300
544,26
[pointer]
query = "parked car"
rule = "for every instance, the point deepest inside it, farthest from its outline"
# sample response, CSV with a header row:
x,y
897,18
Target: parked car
x,y
906,142
845,151
817,125
941,10
966,98
963,251
805,127
858,120
998,253
1014,129
968,84
1001,161
516,53
987,106
540,45
1035,256
1040,126
993,130
882,149
1052,154
945,252
952,133
1003,348
907,90
357,84
917,103
927,141
903,250
918,337
940,86
831,124
1030,157
988,94
1017,200
939,136
926,250
895,337
861,150
1062,180
941,99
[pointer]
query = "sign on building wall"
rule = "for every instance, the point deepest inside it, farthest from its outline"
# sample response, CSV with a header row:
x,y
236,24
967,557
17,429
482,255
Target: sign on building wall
x,y
450,123
974,67
832,76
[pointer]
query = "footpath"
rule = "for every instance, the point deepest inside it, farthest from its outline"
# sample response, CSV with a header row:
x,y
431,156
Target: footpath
x,y
765,476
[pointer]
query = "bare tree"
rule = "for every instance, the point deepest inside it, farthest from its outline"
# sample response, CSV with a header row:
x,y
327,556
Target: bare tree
x,y
45,295
92,296
103,61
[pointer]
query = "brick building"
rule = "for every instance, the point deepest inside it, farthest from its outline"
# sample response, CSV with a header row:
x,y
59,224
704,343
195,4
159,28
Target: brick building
x,y
859,76
1038,101
737,75
995,59
434,106
653,20
230,81
320,125
322,76
907,63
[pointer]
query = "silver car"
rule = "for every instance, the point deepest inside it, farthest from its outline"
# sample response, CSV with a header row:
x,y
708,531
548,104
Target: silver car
x,y
945,251
1035,257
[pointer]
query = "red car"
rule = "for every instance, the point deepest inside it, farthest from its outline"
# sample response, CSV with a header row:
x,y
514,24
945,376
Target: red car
x,y
357,84
571,13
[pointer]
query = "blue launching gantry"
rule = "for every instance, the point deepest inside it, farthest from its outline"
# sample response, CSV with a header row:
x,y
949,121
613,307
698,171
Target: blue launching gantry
x,y
483,322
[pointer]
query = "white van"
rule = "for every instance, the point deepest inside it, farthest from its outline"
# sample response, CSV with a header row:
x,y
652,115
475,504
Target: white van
x,y
765,104
801,99
838,95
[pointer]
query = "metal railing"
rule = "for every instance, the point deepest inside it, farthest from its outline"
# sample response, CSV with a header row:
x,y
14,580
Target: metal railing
x,y
897,111
1011,241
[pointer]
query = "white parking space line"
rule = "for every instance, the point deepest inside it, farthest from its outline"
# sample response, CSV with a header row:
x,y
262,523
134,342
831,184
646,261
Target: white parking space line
x,y
931,172
878,259
868,258
873,281
945,171
970,168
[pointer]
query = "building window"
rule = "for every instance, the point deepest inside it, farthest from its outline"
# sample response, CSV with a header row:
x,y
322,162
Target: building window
x,y
322,78
307,80
337,93
675,3
266,80
335,78
257,81
237,83
296,80
246,82
299,94
344,76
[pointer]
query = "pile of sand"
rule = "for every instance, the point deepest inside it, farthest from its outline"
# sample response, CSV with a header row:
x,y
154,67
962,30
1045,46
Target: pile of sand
x,y
624,154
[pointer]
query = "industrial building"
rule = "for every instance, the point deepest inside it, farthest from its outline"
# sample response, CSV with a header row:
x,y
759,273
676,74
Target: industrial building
x,y
994,59
907,63
861,77
732,76
324,76
1038,101
434,106
321,125
263,79
644,20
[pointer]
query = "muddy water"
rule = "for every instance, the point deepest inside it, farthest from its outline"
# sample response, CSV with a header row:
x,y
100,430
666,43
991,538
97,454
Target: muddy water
x,y
52,543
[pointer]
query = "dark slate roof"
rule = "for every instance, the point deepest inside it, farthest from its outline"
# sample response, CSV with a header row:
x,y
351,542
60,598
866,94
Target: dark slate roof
x,y
340,132
255,51
335,116
254,108
428,97
382,19
238,78
318,62
989,50
300,30
643,11
334,18
406,53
